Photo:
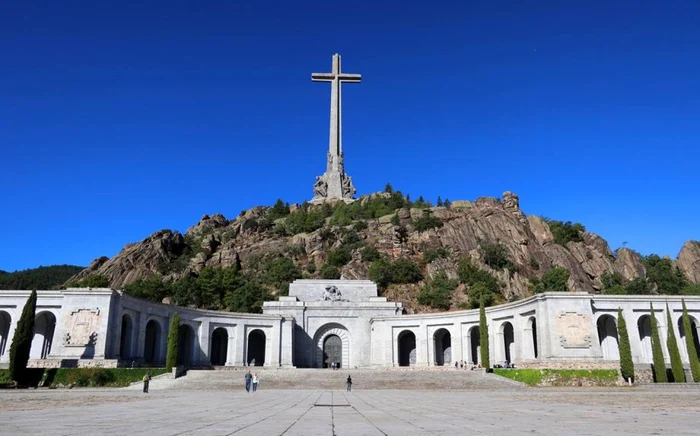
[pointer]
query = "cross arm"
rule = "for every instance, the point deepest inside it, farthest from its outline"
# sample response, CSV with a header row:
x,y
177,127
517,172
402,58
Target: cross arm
x,y
322,77
351,78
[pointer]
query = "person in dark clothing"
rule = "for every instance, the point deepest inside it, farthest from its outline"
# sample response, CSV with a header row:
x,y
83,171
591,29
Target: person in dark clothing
x,y
348,384
248,377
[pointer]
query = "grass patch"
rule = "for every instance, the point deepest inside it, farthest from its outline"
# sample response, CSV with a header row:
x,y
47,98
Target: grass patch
x,y
561,377
85,377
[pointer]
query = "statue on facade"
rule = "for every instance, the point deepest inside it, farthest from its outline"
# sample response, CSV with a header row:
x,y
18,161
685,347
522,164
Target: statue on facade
x,y
348,189
332,293
320,187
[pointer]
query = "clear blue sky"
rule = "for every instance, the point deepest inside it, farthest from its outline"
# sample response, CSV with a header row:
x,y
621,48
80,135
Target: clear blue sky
x,y
119,120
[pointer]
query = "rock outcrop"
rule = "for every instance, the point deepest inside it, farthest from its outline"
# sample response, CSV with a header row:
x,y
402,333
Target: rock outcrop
x,y
466,226
689,260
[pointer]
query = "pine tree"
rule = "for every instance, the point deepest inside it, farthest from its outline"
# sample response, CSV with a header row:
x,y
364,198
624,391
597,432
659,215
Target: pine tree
x,y
439,201
484,337
626,364
173,343
22,341
672,345
658,354
690,345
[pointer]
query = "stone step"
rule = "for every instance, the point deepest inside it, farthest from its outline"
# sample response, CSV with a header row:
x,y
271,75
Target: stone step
x,y
335,380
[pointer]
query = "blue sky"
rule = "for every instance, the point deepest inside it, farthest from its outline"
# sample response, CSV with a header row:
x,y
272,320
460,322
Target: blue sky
x,y
120,119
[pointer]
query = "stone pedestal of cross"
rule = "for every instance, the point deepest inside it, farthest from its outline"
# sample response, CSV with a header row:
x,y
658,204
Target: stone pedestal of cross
x,y
334,183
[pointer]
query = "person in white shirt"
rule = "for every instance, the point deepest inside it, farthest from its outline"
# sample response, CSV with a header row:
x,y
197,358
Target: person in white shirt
x,y
255,382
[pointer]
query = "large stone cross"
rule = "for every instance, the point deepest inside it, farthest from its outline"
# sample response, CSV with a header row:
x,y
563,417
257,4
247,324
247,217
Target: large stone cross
x,y
335,141
334,184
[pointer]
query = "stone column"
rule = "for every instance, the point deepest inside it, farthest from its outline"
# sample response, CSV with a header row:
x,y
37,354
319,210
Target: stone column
x,y
456,342
287,342
240,342
422,344
140,327
231,346
204,354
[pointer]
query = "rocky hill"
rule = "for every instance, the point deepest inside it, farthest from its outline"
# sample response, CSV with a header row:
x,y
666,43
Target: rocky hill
x,y
491,235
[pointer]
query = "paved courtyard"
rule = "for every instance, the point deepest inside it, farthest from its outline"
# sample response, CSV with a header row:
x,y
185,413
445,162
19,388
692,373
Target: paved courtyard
x,y
377,412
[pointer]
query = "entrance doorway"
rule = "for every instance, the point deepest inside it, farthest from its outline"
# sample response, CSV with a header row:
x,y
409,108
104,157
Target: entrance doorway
x,y
256,348
332,351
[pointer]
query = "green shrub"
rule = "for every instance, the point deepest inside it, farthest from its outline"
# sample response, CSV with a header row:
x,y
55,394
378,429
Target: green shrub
x,y
279,272
22,341
479,292
638,286
173,343
470,274
669,280
554,280
247,298
534,264
395,220
330,272
340,256
659,365
360,226
690,345
496,256
426,222
437,292
311,267
384,272
370,253
565,232
674,353
438,253
626,363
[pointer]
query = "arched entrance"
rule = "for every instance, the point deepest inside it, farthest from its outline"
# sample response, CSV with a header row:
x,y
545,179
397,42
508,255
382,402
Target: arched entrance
x,y
407,348
607,336
474,345
508,341
530,339
125,347
5,322
694,330
219,346
332,351
44,326
332,329
443,347
185,346
151,351
256,348
644,329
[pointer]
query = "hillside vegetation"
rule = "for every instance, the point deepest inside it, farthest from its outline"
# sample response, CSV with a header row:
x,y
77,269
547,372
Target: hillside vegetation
x,y
443,257
43,277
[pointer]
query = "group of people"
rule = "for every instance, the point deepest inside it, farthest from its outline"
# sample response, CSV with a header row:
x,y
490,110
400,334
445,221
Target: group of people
x,y
251,379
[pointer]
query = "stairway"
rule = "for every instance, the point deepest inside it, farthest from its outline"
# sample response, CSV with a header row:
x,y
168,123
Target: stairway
x,y
326,379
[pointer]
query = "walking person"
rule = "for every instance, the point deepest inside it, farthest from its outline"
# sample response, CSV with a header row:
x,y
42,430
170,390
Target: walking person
x,y
348,384
248,379
146,382
255,382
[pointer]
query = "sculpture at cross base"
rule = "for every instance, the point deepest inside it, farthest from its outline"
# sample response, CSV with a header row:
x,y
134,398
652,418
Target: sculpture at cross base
x,y
334,184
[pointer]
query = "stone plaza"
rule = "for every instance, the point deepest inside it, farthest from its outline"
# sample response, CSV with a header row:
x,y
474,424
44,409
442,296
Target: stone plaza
x,y
579,411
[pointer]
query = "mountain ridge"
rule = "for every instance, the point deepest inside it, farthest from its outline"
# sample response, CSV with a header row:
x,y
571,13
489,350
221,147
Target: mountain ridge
x,y
491,234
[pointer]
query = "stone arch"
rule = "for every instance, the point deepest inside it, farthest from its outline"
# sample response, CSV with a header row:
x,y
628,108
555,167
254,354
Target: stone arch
x,y
44,327
681,330
319,341
530,339
406,342
607,337
5,322
219,346
154,337
474,336
126,337
442,341
644,330
185,347
508,342
256,348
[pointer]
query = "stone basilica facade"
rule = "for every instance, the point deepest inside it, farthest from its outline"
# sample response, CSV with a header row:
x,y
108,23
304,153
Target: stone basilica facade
x,y
342,321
